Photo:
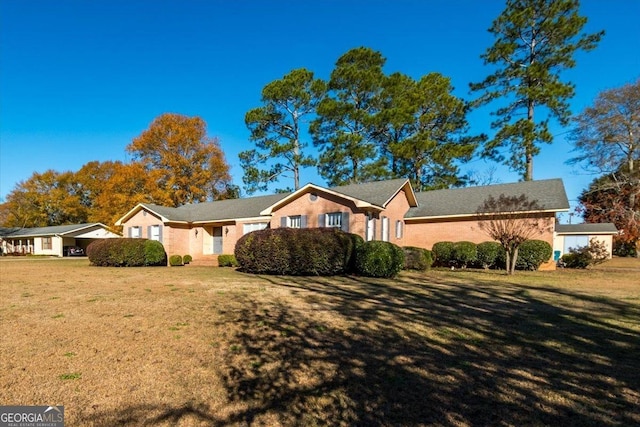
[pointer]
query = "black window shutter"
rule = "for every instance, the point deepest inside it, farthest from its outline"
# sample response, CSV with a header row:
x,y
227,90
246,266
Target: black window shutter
x,y
283,221
321,220
303,221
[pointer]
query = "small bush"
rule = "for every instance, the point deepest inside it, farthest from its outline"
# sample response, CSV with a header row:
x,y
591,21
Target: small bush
x,y
575,260
175,261
585,256
297,252
417,258
379,259
443,254
227,261
488,254
464,254
126,253
187,259
532,253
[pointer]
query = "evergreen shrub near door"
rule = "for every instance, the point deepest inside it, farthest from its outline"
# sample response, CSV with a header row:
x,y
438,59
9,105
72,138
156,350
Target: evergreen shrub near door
x,y
126,253
297,251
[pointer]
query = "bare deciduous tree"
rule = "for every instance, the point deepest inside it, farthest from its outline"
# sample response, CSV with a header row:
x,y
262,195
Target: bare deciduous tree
x,y
511,220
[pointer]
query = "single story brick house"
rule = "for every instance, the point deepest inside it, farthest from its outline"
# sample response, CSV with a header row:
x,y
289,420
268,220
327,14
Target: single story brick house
x,y
385,210
569,236
54,240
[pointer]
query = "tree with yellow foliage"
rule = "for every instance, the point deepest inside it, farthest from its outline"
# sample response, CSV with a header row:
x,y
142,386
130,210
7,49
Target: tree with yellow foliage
x,y
192,165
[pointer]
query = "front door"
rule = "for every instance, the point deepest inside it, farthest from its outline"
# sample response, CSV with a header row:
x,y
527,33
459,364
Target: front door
x,y
217,240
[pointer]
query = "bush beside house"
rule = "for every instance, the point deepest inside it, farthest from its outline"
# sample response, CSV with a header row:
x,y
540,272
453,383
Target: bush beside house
x,y
297,251
417,258
126,253
379,259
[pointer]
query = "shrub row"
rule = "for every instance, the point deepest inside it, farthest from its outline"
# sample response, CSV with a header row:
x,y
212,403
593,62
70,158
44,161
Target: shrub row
x,y
379,259
297,252
417,258
126,253
531,254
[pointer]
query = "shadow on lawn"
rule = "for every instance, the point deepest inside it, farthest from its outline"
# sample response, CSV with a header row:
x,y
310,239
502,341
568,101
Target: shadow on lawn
x,y
436,354
417,351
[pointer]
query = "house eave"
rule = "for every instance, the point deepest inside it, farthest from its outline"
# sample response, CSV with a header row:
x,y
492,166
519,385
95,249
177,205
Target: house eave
x,y
471,215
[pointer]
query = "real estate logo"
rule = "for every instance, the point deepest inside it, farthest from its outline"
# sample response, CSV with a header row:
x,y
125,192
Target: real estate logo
x,y
31,416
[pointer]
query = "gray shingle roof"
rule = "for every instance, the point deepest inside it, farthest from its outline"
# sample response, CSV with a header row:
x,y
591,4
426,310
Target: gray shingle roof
x,y
377,193
218,210
603,228
550,195
44,231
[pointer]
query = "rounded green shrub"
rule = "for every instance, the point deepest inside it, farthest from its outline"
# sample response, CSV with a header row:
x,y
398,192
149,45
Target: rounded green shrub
x,y
296,252
175,261
187,259
227,261
154,254
443,254
417,258
532,253
576,260
488,254
464,254
379,259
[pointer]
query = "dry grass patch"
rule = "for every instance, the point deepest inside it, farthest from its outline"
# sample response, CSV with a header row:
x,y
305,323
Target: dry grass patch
x,y
209,346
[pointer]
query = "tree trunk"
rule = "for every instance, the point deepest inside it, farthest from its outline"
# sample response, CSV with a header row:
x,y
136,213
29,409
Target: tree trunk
x,y
514,259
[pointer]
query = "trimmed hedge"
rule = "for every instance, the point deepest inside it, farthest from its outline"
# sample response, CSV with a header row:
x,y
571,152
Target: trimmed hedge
x,y
532,253
488,254
443,254
297,251
227,261
126,253
417,258
464,254
175,261
379,259
187,259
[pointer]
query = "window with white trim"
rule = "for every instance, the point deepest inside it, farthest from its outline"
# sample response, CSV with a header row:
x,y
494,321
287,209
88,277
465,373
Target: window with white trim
x,y
136,232
155,233
254,226
399,229
334,219
294,221
47,243
385,229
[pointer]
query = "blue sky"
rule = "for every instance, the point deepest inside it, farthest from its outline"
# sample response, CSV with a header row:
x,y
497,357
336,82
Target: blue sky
x,y
80,79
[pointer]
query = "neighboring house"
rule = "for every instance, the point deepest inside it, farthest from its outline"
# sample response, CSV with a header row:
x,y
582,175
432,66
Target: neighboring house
x,y
386,210
569,236
55,240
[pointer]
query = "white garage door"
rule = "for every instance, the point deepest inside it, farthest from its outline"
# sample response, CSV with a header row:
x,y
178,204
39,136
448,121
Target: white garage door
x,y
575,242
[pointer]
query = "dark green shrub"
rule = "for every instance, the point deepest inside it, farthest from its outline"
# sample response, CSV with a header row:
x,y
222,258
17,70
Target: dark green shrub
x,y
175,261
417,258
443,254
575,260
488,254
126,253
379,259
154,254
532,253
187,259
464,254
227,261
297,252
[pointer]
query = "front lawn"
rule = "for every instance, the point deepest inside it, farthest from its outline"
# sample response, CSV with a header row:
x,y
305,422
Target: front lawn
x,y
212,346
